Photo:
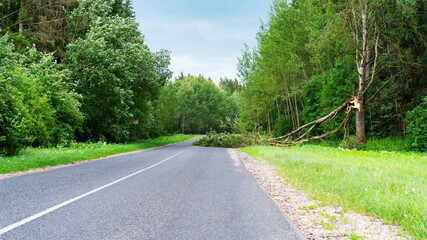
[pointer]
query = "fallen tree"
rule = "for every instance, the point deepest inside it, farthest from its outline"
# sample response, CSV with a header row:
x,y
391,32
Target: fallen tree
x,y
295,136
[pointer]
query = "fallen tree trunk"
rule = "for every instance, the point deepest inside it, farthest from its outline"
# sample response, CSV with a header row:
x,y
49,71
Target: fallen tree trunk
x,y
347,105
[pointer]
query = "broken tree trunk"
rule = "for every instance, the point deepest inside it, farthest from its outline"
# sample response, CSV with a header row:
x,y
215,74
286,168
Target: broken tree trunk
x,y
366,38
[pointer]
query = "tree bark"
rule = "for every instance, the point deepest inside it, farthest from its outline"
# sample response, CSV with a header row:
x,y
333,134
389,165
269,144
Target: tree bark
x,y
296,110
21,28
362,39
360,126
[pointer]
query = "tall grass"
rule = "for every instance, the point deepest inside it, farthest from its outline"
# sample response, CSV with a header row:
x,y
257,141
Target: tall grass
x,y
389,144
40,157
390,185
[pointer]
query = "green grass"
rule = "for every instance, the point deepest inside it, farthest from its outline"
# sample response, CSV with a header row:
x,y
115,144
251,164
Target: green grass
x,y
389,185
40,157
389,144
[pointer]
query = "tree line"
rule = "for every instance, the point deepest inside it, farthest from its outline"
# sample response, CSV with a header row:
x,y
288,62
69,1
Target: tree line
x,y
79,70
197,105
74,70
311,56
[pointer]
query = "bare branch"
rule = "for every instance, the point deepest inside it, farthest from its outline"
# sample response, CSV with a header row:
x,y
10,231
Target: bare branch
x,y
375,62
356,39
306,133
313,138
316,122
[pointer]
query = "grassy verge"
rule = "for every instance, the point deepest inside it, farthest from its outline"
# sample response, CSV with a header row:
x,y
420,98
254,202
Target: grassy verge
x,y
389,185
389,144
40,157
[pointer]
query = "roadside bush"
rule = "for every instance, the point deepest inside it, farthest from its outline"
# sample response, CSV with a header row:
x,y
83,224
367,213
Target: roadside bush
x,y
417,128
13,120
228,140
36,105
13,113
53,108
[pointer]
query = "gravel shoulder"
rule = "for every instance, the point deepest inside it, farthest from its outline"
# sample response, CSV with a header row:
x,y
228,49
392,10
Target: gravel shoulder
x,y
314,219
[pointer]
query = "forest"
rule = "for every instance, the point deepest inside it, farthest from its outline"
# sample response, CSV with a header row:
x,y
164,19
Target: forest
x,y
80,71
313,56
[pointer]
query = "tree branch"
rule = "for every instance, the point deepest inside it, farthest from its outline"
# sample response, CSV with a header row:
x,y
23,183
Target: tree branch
x,y
316,122
313,138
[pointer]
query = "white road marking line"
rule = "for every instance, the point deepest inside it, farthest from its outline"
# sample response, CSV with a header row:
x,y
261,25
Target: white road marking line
x,y
31,218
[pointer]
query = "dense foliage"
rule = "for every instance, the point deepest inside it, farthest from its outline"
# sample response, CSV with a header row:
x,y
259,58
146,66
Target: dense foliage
x,y
417,128
80,70
303,65
75,70
37,106
116,75
229,140
196,105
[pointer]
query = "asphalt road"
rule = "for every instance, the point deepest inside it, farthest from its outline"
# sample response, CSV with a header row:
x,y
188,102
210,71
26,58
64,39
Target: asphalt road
x,y
172,192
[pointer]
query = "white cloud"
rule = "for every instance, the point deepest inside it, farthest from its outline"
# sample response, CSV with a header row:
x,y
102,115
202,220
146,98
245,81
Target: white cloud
x,y
204,37
187,64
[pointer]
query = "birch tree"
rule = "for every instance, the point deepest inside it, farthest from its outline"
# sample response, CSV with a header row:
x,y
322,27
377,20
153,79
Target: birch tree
x,y
366,39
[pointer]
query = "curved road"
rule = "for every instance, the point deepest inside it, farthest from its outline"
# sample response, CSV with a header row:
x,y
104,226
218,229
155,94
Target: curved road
x,y
172,192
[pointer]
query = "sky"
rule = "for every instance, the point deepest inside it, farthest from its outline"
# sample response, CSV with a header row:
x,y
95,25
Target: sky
x,y
204,36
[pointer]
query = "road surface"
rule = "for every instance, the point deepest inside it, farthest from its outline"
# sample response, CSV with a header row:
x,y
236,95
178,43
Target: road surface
x,y
172,192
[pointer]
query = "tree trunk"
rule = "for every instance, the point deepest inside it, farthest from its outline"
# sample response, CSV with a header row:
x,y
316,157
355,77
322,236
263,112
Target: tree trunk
x,y
364,41
21,28
291,112
360,126
296,111
183,123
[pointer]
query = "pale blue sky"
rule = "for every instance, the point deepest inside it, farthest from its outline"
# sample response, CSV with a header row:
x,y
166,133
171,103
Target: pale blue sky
x,y
205,36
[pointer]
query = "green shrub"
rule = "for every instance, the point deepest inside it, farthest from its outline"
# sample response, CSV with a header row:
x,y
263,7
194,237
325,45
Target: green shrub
x,y
36,105
14,119
389,144
228,140
417,128
53,108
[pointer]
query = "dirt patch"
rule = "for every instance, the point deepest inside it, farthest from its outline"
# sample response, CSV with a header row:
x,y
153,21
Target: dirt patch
x,y
314,219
